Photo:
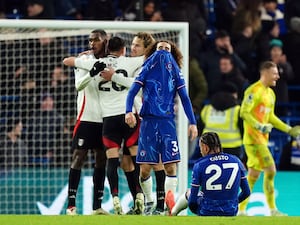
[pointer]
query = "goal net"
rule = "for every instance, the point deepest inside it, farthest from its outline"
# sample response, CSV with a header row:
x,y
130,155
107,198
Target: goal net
x,y
38,106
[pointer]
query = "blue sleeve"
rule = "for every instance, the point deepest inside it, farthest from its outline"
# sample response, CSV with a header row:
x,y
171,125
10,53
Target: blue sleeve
x,y
134,89
192,201
245,190
187,105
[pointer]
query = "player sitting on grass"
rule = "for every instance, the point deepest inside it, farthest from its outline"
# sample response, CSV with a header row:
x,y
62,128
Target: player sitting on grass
x,y
219,176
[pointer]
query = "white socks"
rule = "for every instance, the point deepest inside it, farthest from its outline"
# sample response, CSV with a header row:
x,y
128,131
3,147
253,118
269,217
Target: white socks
x,y
181,204
146,186
171,184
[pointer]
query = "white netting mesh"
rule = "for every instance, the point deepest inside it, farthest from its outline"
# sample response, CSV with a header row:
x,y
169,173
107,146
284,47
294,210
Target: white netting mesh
x,y
37,89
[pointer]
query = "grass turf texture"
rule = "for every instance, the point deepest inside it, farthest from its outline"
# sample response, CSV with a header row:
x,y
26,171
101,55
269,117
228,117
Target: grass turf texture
x,y
144,220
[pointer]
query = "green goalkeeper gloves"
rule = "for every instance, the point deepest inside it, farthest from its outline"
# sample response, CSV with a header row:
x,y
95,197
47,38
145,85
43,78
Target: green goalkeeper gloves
x,y
264,128
294,131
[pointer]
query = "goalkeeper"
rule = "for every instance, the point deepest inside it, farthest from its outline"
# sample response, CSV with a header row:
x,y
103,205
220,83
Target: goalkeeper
x,y
257,112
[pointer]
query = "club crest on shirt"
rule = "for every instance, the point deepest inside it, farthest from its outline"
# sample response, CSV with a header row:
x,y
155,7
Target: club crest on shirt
x,y
143,153
80,142
250,98
169,66
111,62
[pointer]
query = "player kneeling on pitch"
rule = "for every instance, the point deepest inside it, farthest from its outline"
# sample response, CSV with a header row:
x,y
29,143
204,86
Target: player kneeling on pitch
x,y
219,176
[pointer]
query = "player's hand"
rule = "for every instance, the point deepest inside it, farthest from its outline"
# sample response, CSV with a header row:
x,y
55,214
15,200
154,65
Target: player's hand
x,y
264,128
130,119
97,68
69,61
193,131
294,131
107,73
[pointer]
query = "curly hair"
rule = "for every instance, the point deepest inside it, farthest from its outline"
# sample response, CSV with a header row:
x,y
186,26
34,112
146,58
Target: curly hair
x,y
174,51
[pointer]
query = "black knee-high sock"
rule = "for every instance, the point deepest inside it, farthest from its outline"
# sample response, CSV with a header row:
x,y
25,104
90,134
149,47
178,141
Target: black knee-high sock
x,y
74,178
112,175
136,175
98,179
131,183
160,178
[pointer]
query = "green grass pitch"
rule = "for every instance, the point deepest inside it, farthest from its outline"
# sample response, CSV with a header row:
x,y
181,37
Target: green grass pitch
x,y
144,220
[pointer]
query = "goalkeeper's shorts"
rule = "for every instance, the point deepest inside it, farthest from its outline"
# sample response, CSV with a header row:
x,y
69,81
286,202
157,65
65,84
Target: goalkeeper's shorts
x,y
259,157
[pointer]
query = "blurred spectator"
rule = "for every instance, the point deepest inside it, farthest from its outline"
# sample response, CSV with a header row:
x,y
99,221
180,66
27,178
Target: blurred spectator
x,y
46,54
290,157
62,153
270,12
39,9
11,61
68,9
222,115
245,47
285,72
13,149
100,10
225,11
28,98
2,10
184,10
197,37
292,49
63,90
292,11
12,9
44,130
231,74
210,60
270,30
128,10
198,93
247,14
11,66
197,86
40,57
151,12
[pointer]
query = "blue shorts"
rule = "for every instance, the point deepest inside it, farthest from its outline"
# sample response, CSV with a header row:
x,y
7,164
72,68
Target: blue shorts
x,y
208,207
158,138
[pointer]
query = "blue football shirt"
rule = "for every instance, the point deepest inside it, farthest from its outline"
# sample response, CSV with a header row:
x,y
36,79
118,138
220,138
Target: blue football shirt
x,y
160,78
218,176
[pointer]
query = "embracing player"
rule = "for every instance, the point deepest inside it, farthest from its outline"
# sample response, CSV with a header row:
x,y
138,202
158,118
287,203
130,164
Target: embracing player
x,y
112,102
87,134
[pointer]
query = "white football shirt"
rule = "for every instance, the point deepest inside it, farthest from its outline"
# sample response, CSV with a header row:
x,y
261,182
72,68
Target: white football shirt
x,y
88,103
112,94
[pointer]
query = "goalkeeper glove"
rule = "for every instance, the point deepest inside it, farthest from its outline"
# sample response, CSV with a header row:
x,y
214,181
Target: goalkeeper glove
x,y
97,68
294,131
264,128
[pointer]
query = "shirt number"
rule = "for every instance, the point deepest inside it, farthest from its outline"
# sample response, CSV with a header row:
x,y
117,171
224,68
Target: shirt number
x,y
114,85
217,173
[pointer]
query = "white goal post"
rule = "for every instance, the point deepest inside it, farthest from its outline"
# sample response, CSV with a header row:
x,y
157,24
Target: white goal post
x,y
10,30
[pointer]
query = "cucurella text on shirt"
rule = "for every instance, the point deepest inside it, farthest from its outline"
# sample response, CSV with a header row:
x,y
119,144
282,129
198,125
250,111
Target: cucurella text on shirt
x,y
219,157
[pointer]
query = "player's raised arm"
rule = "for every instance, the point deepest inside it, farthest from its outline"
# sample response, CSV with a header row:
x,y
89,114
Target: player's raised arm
x,y
69,61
